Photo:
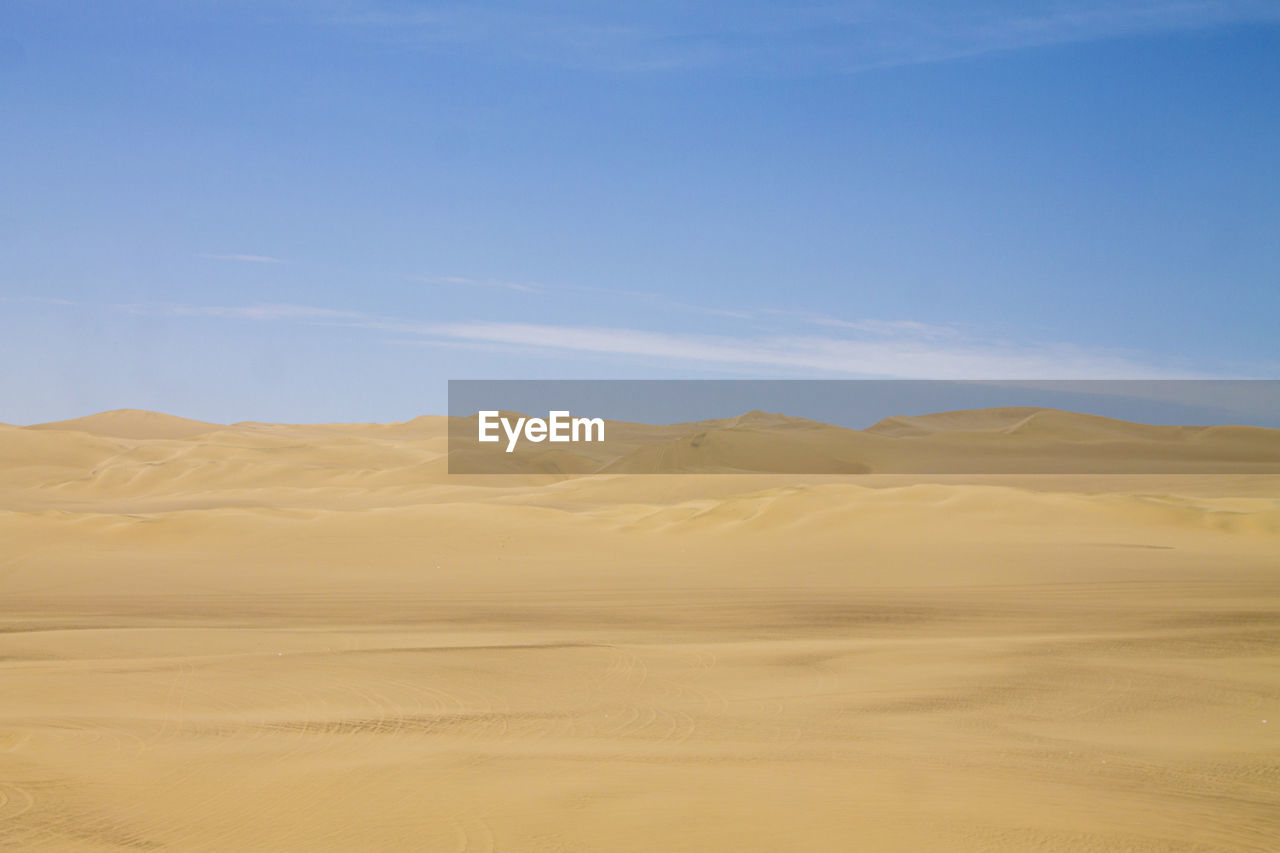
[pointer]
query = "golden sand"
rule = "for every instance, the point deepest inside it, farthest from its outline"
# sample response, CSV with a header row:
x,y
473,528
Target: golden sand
x,y
270,637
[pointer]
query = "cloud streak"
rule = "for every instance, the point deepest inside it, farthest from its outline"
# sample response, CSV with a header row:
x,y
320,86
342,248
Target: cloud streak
x,y
869,348
902,357
467,281
300,313
244,259
768,36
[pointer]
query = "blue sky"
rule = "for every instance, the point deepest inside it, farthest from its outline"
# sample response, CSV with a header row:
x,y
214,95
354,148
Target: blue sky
x,y
297,211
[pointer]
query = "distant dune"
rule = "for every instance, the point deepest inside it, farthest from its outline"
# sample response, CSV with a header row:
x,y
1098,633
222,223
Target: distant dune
x,y
1005,440
268,637
132,423
1009,419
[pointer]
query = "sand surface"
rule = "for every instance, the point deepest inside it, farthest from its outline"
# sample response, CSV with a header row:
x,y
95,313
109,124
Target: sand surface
x,y
270,637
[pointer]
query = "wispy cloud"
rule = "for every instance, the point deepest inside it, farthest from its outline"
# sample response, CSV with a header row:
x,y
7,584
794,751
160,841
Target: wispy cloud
x,y
466,281
659,300
906,356
302,313
244,259
913,328
779,37
894,349
588,35
922,32
38,300
898,349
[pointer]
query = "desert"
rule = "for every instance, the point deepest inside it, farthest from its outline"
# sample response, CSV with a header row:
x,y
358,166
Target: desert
x,y
267,636
832,426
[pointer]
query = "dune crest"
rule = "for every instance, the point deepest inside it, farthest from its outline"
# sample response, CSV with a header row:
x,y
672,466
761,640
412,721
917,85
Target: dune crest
x,y
132,423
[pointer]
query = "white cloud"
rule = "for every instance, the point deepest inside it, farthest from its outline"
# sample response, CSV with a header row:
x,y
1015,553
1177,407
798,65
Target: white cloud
x,y
901,349
780,37
246,259
245,312
466,281
903,357
913,328
38,300
663,301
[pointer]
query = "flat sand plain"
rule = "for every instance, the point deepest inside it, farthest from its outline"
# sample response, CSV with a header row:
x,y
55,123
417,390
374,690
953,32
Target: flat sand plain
x,y
270,637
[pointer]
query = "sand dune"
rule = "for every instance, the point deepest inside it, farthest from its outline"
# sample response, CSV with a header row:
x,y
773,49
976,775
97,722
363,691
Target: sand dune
x,y
132,423
1017,419
311,637
992,441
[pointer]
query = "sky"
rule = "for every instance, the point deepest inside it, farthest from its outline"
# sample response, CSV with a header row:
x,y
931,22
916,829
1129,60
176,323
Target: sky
x,y
323,211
